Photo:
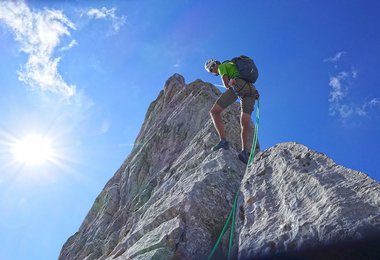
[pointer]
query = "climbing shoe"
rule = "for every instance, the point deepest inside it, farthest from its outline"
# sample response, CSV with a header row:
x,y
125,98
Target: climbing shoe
x,y
244,156
222,144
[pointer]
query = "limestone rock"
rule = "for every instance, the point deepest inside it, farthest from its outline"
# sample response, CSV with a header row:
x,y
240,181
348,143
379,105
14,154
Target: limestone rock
x,y
296,199
172,195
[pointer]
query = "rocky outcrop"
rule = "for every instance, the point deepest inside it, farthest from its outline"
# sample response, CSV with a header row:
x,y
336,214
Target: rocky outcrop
x,y
294,199
172,195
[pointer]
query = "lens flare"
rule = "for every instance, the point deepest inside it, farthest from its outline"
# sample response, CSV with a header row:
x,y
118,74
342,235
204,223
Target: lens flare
x,y
32,150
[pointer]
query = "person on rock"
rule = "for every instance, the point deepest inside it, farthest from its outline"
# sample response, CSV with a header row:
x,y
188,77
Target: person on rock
x,y
236,87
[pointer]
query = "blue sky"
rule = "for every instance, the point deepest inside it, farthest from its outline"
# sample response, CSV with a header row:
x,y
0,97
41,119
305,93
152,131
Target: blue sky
x,y
82,74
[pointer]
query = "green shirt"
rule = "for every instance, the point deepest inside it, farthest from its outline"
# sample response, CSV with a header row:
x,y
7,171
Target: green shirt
x,y
228,68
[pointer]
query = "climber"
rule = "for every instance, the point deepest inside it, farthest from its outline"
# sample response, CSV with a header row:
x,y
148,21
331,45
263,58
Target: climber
x,y
236,87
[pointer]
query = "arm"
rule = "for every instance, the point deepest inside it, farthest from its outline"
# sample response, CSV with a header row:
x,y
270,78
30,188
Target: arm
x,y
226,81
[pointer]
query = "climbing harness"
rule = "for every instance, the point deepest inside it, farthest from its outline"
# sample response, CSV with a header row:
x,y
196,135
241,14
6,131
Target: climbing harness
x,y
233,210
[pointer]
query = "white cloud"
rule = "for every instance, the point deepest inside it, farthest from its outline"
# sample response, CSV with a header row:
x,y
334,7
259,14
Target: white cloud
x,y
362,111
99,13
354,72
365,109
345,111
335,58
374,103
108,14
369,108
70,45
337,92
340,100
39,33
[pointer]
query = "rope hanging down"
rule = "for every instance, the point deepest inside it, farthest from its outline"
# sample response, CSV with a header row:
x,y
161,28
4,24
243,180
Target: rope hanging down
x,y
233,210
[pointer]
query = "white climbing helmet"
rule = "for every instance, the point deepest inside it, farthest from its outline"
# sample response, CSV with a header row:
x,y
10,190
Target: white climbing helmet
x,y
209,65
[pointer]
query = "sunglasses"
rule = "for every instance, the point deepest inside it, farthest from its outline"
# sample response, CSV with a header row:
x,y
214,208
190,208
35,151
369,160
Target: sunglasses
x,y
212,68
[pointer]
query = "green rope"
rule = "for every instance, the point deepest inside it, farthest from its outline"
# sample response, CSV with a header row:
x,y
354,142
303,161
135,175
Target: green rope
x,y
221,235
232,224
233,210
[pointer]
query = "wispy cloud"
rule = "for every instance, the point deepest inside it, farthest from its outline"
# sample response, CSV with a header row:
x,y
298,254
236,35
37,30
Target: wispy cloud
x,y
39,34
107,14
354,72
335,58
70,45
337,92
367,107
342,104
375,103
44,34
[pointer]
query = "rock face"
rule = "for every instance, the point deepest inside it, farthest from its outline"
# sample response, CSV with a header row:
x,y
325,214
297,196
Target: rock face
x,y
296,199
172,195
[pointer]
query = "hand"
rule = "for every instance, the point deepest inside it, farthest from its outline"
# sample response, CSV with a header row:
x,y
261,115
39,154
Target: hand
x,y
257,95
232,82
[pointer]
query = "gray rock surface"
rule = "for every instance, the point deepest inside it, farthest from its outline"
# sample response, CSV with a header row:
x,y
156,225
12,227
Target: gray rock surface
x,y
172,195
294,198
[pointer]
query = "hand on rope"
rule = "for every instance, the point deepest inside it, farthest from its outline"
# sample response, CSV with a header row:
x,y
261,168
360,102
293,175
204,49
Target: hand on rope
x,y
257,95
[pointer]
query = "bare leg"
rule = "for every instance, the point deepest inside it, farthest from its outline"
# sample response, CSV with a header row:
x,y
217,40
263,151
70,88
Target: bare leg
x,y
215,113
245,120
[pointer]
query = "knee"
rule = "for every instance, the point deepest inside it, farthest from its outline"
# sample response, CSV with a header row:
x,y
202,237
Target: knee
x,y
215,111
244,124
245,121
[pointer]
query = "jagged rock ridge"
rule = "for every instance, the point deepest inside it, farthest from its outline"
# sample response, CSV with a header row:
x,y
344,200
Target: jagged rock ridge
x,y
172,195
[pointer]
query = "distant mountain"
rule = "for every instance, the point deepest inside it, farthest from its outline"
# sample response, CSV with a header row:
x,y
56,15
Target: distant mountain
x,y
172,195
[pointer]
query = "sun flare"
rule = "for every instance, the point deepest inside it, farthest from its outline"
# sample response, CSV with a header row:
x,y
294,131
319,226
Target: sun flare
x,y
32,150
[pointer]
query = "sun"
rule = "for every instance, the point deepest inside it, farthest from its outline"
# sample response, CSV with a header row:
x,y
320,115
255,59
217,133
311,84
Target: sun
x,y
32,150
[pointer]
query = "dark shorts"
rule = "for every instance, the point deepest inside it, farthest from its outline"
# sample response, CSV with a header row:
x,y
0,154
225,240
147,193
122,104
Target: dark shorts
x,y
246,94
